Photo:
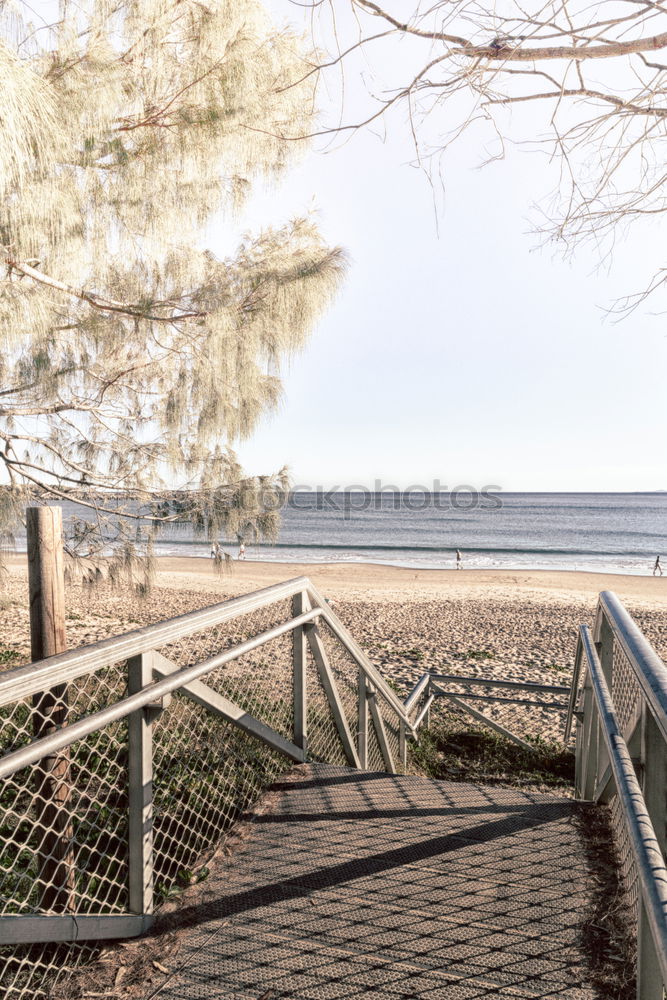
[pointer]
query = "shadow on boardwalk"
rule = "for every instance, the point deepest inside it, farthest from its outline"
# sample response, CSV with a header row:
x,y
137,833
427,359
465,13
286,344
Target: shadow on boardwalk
x,y
399,887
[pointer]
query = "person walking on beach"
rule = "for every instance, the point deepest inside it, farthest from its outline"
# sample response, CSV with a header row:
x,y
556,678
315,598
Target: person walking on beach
x,y
657,568
458,560
241,551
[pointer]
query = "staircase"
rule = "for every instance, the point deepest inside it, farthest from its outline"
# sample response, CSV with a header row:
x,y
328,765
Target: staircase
x,y
356,876
362,883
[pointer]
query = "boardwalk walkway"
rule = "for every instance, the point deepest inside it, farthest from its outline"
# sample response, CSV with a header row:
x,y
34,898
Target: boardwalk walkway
x,y
368,884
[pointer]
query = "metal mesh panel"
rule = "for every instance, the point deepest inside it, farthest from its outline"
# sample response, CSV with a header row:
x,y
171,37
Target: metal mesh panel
x,y
627,700
346,675
19,722
36,970
324,743
522,719
375,758
625,690
206,772
85,837
91,781
199,646
345,671
391,728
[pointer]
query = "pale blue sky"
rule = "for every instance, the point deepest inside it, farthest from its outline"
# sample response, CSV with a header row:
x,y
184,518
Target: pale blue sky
x,y
469,357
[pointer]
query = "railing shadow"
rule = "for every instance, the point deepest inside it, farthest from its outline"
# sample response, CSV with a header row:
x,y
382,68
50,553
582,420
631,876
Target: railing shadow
x,y
375,864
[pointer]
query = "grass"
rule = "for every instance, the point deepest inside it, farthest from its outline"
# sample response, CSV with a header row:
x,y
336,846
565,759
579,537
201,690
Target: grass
x,y
413,653
474,654
607,933
8,655
455,751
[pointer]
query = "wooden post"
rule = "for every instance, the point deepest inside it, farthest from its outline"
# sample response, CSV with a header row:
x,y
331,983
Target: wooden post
x,y
52,774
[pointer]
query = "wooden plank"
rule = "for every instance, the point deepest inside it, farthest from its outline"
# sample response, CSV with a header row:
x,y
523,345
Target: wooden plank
x,y
381,732
52,777
331,691
140,789
605,647
218,705
21,929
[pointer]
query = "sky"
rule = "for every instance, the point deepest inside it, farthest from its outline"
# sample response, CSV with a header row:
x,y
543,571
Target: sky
x,y
466,355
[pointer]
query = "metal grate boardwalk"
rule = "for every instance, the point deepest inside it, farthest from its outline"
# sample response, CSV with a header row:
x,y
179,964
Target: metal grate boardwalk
x,y
368,884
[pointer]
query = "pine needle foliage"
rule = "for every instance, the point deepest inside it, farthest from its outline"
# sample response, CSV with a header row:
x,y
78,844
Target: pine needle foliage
x,y
132,357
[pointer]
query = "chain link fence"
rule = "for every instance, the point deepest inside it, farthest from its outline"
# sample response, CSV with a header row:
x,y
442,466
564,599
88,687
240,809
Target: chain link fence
x,y
627,699
65,821
621,760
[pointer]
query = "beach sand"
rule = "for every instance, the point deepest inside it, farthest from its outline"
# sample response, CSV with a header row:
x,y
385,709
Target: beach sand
x,y
497,623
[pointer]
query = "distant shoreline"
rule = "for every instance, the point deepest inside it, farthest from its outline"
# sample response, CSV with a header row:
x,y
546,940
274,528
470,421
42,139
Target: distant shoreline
x,y
374,581
203,557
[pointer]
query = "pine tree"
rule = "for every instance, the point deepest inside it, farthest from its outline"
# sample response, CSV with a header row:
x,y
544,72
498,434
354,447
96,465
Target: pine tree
x,y
132,358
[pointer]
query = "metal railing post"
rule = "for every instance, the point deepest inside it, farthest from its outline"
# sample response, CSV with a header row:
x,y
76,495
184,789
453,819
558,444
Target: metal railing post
x,y
300,603
380,730
649,975
605,647
362,735
585,762
654,761
140,767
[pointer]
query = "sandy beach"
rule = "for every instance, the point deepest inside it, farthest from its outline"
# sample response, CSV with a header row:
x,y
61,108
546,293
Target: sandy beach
x,y
481,622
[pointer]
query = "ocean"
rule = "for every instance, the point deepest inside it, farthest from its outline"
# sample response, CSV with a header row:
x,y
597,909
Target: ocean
x,y
610,532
